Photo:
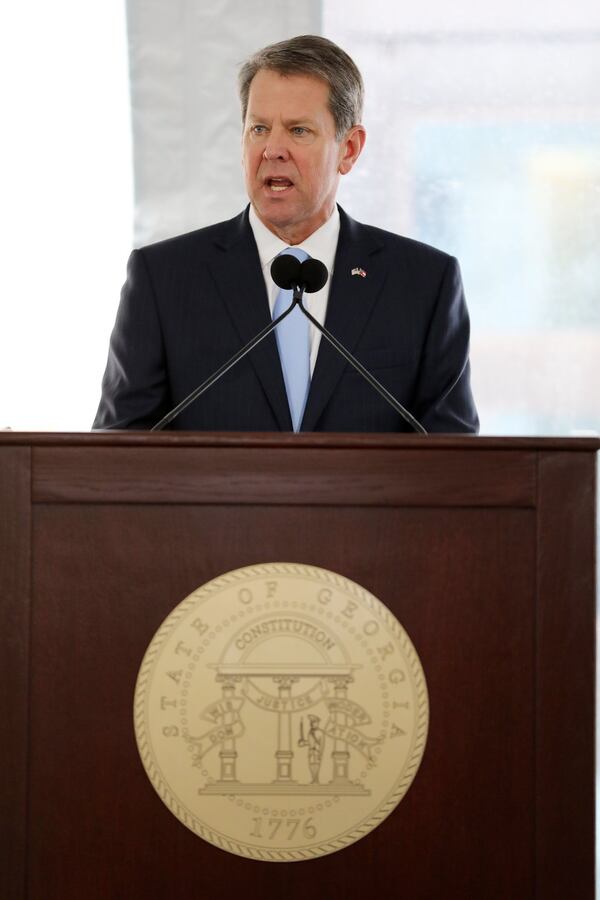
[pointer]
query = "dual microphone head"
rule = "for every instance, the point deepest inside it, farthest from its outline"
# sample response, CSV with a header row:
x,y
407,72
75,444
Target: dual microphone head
x,y
289,273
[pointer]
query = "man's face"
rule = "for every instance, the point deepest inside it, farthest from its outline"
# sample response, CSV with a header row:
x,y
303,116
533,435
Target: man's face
x,y
291,158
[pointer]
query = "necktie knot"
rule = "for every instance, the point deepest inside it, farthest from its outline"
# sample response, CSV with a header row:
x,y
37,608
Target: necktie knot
x,y
298,252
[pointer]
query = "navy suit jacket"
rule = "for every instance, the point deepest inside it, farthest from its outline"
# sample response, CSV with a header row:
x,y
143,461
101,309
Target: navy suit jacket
x,y
190,302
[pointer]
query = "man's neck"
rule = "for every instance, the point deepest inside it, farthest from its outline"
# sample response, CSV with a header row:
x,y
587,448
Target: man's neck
x,y
294,234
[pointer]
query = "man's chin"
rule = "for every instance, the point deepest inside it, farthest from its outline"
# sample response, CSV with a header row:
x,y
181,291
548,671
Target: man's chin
x,y
289,222
276,215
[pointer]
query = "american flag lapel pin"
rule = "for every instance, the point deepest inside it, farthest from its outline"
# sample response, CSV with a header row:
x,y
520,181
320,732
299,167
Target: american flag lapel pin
x,y
359,271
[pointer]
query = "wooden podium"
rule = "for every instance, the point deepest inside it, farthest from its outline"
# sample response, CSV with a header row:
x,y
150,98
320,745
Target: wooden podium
x,y
483,548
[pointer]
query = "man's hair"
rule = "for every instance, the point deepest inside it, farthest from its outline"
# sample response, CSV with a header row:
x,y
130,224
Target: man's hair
x,y
310,54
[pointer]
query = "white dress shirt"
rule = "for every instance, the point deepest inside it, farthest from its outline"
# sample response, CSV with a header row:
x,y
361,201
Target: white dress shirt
x,y
321,244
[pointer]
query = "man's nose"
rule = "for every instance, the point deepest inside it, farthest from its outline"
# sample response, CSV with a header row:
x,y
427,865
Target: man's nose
x,y
277,146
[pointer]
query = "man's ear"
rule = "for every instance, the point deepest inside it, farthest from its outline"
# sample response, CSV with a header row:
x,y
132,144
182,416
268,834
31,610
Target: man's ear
x,y
351,146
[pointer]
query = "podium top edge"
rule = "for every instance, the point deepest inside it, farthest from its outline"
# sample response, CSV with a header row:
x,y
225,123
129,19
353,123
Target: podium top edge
x,y
308,440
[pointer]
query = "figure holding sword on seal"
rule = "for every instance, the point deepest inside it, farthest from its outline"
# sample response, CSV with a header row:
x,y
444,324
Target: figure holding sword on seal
x,y
314,740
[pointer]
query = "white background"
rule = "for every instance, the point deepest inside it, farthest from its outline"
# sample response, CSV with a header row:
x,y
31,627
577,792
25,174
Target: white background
x,y
439,77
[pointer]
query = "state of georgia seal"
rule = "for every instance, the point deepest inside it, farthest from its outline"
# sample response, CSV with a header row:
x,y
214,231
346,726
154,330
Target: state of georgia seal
x,y
281,712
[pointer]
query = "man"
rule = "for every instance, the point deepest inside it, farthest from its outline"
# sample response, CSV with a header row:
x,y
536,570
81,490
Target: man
x,y
191,302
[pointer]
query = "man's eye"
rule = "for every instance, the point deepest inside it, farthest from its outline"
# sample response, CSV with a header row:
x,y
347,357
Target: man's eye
x,y
258,129
299,130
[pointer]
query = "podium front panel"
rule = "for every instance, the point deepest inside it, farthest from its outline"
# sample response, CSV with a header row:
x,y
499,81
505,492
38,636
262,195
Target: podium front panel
x,y
483,550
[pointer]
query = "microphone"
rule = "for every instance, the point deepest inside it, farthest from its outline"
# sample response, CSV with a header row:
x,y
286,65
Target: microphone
x,y
289,273
309,276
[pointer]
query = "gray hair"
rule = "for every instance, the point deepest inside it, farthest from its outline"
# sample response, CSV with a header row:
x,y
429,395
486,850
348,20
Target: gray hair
x,y
310,54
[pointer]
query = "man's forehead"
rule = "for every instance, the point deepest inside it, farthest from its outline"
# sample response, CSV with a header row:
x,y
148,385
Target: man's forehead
x,y
295,96
271,84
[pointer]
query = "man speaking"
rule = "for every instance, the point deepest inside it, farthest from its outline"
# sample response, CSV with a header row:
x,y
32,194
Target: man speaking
x,y
191,302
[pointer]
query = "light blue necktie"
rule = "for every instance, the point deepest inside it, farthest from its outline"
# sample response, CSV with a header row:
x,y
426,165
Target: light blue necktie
x,y
293,341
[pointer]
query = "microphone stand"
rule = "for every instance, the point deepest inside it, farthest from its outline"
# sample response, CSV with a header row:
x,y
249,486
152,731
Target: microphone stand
x,y
296,300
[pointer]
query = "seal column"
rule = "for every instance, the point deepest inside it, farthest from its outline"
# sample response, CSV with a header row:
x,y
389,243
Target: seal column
x,y
284,754
340,753
228,752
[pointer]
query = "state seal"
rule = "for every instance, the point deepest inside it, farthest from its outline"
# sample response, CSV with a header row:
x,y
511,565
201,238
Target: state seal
x,y
281,712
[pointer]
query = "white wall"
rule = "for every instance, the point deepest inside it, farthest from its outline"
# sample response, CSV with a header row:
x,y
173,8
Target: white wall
x,y
483,124
66,188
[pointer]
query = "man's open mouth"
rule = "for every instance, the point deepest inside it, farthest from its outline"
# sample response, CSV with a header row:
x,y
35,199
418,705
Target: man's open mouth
x,y
278,184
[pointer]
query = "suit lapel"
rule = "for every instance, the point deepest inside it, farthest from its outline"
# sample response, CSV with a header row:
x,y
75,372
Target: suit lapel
x,y
239,279
351,301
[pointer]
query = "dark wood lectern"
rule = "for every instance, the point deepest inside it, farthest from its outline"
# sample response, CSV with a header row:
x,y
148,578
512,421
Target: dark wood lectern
x,y
484,550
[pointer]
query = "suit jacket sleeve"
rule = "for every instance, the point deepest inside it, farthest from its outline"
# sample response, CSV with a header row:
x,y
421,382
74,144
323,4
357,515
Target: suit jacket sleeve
x,y
135,392
444,401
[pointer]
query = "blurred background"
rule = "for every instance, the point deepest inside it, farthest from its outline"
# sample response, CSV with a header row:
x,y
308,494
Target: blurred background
x,y
122,126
